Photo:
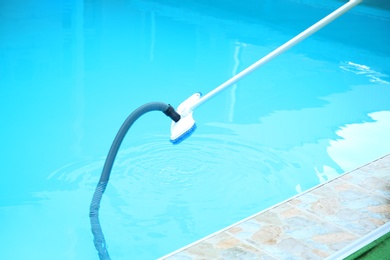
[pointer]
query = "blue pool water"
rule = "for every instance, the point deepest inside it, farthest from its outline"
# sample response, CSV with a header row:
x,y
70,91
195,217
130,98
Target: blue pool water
x,y
72,71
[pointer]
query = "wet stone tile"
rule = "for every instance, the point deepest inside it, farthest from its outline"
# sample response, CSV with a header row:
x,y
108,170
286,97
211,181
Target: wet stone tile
x,y
289,233
351,207
336,240
221,246
369,181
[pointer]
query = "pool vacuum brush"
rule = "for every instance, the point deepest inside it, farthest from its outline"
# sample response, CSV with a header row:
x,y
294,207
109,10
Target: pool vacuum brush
x,y
186,125
183,128
183,123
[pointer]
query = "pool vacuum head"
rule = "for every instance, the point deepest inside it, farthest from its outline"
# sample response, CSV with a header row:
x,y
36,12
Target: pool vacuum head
x,y
183,128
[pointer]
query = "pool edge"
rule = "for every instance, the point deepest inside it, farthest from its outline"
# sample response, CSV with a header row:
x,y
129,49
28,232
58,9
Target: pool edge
x,y
353,246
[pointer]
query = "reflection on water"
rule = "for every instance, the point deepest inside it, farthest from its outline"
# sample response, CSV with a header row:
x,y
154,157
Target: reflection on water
x,y
233,88
362,141
374,76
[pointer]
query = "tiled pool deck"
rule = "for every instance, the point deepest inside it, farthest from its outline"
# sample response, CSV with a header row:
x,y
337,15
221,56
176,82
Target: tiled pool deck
x,y
317,224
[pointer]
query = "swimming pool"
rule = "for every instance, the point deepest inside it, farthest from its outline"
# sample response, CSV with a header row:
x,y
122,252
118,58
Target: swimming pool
x,y
71,72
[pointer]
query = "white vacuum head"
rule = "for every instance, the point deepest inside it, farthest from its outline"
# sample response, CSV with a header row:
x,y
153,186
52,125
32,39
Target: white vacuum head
x,y
186,125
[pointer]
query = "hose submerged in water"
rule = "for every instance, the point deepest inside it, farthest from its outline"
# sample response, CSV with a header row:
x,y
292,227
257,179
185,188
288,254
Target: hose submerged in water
x,y
99,241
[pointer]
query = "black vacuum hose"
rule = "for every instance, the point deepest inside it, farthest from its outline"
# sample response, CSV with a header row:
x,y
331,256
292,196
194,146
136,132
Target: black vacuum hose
x,y
99,241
